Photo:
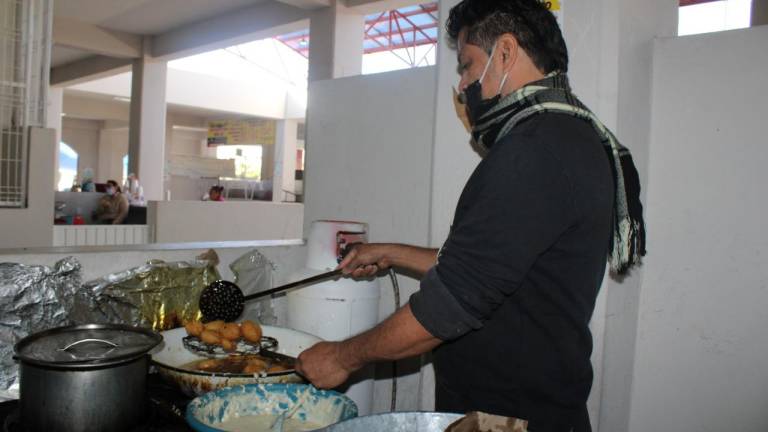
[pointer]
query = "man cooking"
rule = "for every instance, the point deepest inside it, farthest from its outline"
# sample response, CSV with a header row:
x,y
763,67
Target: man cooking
x,y
505,303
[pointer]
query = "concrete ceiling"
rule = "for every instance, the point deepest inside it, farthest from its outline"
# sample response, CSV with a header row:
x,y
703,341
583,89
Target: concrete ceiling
x,y
109,114
63,55
128,20
97,37
145,17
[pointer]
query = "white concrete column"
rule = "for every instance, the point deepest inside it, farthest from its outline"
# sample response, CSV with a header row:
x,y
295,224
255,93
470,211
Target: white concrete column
x,y
146,148
611,47
268,162
113,145
759,12
284,185
53,121
336,42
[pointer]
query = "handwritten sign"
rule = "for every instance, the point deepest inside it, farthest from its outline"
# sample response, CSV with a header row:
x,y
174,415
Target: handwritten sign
x,y
242,132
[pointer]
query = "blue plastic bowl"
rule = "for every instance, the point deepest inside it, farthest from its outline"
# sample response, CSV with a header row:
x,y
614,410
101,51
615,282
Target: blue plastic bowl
x,y
323,407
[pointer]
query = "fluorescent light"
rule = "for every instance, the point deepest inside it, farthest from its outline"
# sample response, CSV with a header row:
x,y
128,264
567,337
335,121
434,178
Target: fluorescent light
x,y
122,99
63,114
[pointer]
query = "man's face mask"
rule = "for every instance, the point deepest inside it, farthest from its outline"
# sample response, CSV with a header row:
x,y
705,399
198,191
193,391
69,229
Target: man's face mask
x,y
471,102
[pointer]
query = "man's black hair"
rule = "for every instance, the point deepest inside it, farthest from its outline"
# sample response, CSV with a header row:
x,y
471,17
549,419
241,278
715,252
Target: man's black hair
x,y
529,21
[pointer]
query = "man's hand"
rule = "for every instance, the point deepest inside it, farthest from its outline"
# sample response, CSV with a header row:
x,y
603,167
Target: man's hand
x,y
322,366
365,260
329,364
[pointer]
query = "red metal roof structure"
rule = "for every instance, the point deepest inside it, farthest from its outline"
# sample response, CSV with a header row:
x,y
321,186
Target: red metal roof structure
x,y
401,29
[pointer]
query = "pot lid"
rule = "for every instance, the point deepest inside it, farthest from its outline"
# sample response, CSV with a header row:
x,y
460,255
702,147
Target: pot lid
x,y
86,345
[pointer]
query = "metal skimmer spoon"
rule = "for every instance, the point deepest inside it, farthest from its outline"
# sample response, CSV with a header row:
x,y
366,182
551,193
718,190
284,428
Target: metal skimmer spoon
x,y
223,300
277,426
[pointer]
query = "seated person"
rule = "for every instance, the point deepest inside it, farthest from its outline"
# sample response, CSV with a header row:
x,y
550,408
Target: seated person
x,y
88,184
215,194
133,190
113,208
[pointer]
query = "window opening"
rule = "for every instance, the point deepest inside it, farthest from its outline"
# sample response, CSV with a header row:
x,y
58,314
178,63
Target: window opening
x,y
707,16
393,39
125,169
68,158
248,159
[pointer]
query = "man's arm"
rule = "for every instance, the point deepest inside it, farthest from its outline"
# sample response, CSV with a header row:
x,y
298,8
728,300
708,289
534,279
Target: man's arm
x,y
366,260
329,364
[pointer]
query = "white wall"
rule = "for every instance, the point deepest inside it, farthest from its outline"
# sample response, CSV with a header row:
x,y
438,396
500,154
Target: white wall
x,y
101,144
197,221
101,235
33,226
113,146
454,160
701,344
369,151
611,47
112,137
53,118
185,142
79,105
83,137
284,161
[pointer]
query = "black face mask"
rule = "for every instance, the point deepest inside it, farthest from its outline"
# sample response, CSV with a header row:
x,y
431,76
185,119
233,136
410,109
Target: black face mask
x,y
475,105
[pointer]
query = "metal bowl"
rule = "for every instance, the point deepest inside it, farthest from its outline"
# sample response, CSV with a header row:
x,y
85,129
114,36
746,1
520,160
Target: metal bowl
x,y
172,355
397,422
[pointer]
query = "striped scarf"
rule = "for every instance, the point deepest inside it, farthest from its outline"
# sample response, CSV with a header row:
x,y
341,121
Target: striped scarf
x,y
553,94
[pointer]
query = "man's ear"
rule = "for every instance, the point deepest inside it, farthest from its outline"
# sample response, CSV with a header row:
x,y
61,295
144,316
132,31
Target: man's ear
x,y
507,47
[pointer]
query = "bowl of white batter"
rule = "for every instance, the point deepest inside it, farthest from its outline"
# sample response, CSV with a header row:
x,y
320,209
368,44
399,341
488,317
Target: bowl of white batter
x,y
256,407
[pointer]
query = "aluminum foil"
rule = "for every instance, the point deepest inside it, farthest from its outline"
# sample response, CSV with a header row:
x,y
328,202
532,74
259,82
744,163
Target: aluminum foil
x,y
32,299
157,295
253,274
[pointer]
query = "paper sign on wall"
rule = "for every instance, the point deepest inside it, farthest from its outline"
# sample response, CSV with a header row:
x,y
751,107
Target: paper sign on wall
x,y
242,132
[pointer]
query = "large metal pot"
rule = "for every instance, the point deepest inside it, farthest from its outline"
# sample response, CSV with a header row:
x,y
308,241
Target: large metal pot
x,y
173,356
84,378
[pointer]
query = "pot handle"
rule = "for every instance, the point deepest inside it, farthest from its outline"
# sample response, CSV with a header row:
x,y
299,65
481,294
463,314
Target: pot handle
x,y
112,344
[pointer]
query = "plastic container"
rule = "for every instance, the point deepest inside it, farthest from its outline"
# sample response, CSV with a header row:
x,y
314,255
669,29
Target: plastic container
x,y
321,407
